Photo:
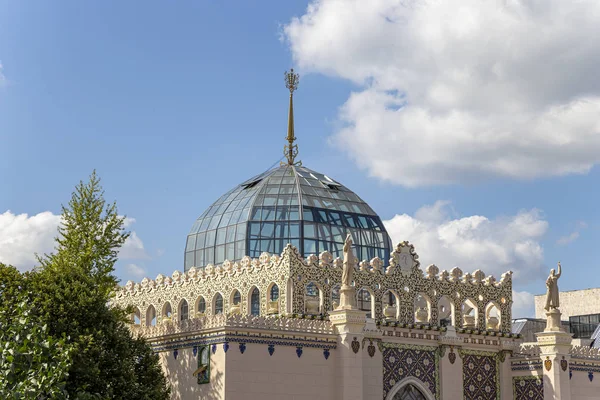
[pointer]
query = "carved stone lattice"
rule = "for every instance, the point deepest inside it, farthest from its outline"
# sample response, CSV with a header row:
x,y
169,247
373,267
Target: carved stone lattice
x,y
291,273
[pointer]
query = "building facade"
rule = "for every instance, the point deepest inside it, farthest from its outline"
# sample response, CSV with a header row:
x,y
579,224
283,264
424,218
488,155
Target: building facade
x,y
272,303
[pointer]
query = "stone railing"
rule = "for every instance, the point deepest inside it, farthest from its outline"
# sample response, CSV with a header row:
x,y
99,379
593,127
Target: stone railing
x,y
527,350
585,352
237,321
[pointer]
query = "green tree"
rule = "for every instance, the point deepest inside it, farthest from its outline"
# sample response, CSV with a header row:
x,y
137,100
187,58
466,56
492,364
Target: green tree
x,y
33,364
73,288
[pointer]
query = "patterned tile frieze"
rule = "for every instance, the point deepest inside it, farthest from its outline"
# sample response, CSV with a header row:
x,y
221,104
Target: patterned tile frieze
x,y
292,274
528,388
480,375
526,365
404,360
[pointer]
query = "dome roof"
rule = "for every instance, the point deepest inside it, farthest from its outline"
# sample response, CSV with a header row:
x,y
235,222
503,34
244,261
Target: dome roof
x,y
288,204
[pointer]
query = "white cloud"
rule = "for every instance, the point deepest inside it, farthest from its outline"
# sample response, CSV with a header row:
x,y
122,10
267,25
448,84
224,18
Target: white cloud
x,y
523,305
2,77
474,242
564,240
21,236
573,236
461,90
135,271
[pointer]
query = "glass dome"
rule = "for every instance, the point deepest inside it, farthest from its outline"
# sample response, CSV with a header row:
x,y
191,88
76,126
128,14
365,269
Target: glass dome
x,y
288,204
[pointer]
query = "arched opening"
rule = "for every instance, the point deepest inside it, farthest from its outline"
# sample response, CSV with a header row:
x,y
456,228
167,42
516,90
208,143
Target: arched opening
x,y
183,310
255,301
410,388
151,316
493,317
470,314
312,299
200,307
335,297
390,305
409,392
364,301
218,304
445,311
289,293
236,302
167,312
422,307
273,305
136,317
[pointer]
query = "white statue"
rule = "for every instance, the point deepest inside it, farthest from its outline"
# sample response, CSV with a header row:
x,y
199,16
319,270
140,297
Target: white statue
x,y
552,300
349,261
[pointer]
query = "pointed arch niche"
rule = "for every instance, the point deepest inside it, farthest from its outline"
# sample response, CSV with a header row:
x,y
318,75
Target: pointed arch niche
x,y
410,388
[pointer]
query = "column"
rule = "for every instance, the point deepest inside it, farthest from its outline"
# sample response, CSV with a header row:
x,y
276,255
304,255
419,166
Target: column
x,y
555,346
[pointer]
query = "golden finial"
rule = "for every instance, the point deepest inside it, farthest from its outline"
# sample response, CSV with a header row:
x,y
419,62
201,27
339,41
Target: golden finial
x,y
291,150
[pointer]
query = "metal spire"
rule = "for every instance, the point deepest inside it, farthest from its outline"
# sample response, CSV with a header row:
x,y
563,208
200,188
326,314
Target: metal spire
x,y
291,150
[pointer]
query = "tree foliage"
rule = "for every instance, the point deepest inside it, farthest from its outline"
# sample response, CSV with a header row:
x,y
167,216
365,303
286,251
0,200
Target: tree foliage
x,y
70,293
33,364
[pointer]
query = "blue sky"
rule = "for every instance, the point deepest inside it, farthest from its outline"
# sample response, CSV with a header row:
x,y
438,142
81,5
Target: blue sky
x,y
175,103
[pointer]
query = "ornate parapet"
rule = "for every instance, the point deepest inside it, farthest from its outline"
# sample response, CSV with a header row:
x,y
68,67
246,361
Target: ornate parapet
x,y
585,352
309,286
235,322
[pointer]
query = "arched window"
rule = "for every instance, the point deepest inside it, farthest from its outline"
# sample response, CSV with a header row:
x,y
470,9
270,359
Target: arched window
x,y
335,297
312,299
409,392
274,292
236,298
151,316
137,316
201,306
183,310
167,311
364,301
255,302
218,304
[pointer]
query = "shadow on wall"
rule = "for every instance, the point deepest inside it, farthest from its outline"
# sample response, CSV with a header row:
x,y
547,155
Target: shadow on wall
x,y
185,386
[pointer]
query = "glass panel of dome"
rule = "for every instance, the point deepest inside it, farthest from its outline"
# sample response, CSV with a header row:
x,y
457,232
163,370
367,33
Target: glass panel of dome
x,y
294,229
310,246
255,216
240,250
214,222
244,216
189,259
200,240
191,242
196,226
221,235
338,234
235,217
225,219
310,230
240,233
230,237
267,229
254,229
210,238
205,223
294,214
230,251
209,255
199,258
219,254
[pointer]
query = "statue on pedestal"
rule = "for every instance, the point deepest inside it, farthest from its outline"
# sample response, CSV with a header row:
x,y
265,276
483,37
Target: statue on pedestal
x,y
347,291
552,298
349,261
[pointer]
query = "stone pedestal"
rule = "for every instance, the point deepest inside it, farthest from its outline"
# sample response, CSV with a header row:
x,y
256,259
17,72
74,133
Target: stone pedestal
x,y
555,349
349,325
347,298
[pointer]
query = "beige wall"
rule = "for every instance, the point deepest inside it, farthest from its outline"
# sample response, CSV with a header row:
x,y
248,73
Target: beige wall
x,y
572,303
256,375
582,388
185,386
